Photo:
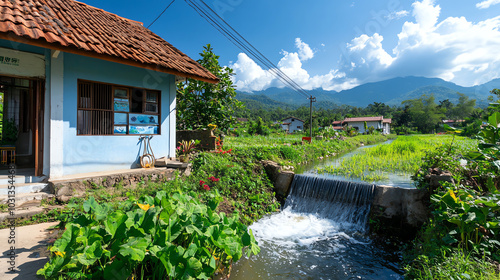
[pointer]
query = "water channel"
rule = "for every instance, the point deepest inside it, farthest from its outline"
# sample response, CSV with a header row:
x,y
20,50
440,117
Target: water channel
x,y
318,237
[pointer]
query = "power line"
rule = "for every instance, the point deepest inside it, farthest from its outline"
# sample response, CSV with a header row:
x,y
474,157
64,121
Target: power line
x,y
161,14
237,39
264,57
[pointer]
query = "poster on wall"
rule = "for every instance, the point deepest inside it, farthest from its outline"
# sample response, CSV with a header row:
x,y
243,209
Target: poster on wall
x,y
135,129
120,118
143,119
120,130
121,105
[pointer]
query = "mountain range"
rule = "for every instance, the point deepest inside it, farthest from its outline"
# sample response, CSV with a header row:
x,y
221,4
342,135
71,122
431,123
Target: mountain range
x,y
390,92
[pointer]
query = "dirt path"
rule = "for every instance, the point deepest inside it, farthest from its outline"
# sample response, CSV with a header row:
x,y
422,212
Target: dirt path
x,y
31,248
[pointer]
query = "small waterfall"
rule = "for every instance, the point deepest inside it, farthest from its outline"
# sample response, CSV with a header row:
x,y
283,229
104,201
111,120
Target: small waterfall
x,y
347,203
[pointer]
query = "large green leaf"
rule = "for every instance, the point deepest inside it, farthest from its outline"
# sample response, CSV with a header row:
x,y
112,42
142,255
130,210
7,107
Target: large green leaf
x,y
115,221
67,240
494,119
135,248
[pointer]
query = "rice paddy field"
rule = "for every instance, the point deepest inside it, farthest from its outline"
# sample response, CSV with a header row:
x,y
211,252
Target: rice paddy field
x,y
288,150
403,157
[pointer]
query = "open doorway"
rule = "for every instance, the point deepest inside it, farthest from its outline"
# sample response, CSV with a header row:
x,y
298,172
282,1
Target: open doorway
x,y
21,111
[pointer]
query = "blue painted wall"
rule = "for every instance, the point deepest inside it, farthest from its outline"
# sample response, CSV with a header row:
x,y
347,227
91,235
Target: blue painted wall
x,y
82,154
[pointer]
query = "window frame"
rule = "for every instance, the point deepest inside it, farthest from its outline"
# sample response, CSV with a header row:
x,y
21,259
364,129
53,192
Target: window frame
x,y
113,96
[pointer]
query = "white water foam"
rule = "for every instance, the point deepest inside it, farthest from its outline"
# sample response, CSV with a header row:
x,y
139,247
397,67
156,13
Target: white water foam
x,y
289,229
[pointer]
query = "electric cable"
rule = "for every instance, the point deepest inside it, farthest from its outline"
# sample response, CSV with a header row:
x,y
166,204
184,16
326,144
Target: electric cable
x,y
243,44
161,14
263,56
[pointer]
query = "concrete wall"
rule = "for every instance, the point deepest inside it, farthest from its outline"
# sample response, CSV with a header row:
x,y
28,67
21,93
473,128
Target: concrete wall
x,y
361,125
400,209
206,137
294,125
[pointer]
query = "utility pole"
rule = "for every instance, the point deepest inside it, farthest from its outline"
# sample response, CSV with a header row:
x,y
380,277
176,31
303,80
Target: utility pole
x,y
311,99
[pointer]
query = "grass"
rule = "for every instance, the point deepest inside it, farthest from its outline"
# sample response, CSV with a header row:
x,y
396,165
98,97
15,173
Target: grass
x,y
288,150
452,264
403,156
431,258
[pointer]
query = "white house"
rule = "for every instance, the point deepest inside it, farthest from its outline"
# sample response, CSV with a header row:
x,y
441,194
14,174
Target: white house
x,y
81,85
384,125
292,124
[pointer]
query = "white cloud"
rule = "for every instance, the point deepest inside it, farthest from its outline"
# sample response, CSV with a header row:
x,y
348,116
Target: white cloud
x,y
397,14
487,3
426,13
305,51
453,49
251,77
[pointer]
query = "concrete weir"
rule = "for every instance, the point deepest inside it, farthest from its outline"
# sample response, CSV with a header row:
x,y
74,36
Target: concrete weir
x,y
396,209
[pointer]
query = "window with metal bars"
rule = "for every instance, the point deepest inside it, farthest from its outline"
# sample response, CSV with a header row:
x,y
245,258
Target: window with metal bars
x,y
106,109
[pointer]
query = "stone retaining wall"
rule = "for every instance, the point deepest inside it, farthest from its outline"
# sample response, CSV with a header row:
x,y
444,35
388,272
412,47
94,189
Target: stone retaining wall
x,y
65,189
206,137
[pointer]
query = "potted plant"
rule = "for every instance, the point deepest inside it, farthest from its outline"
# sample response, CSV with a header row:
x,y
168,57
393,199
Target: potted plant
x,y
184,150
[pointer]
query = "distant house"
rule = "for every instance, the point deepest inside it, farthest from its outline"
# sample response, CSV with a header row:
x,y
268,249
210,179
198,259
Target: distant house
x,y
337,125
82,84
241,120
292,124
384,125
453,123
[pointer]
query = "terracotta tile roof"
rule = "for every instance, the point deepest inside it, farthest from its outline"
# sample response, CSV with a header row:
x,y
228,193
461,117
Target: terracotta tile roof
x,y
387,121
365,119
336,122
338,127
76,27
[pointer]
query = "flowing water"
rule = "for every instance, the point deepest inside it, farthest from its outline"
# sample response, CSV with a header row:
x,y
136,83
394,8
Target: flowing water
x,y
320,234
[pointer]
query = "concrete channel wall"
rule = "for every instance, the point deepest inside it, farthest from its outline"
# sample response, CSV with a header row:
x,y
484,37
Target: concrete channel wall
x,y
398,210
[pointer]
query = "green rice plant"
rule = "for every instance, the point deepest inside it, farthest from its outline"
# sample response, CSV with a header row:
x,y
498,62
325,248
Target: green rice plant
x,y
403,156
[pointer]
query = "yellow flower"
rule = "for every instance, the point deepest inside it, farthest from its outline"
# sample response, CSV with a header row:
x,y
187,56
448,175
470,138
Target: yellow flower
x,y
212,126
60,254
144,207
452,194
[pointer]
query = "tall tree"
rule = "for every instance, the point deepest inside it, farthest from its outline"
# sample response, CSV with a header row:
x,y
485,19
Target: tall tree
x,y
200,103
424,113
464,108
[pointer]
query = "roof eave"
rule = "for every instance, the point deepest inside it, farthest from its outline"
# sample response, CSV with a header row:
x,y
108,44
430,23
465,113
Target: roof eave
x,y
10,36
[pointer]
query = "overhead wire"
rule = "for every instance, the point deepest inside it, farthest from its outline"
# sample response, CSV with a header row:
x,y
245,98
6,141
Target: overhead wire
x,y
263,56
239,41
161,14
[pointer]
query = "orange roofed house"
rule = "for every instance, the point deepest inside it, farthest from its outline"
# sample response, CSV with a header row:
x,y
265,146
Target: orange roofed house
x,y
383,125
81,84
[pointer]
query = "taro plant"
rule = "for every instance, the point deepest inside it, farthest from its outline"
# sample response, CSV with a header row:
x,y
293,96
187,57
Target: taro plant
x,y
472,220
169,236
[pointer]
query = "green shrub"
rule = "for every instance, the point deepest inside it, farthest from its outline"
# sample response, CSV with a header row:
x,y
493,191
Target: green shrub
x,y
171,236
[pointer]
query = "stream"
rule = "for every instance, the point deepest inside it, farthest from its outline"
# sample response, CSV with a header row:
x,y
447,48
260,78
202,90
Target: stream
x,y
315,235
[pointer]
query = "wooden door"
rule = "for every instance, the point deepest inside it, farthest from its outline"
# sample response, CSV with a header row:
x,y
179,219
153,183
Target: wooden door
x,y
39,96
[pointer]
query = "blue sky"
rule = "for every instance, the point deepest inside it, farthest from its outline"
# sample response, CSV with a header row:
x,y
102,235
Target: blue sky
x,y
337,45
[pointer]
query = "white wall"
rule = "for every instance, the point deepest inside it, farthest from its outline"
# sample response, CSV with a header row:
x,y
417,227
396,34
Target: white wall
x,y
294,125
361,125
